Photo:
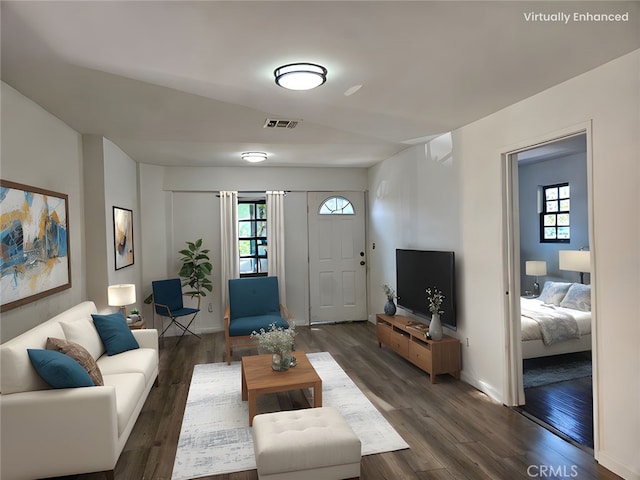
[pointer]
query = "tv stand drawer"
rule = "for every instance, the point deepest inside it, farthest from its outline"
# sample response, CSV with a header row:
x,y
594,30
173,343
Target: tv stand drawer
x,y
401,335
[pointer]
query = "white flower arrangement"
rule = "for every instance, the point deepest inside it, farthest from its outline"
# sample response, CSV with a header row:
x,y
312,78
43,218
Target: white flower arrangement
x,y
277,339
435,298
389,292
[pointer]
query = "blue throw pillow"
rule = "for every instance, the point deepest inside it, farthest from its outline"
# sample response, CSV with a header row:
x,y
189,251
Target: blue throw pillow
x,y
114,333
58,369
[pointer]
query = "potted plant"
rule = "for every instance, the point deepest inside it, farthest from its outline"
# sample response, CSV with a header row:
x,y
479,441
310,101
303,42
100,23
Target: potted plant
x,y
196,269
390,306
435,298
278,341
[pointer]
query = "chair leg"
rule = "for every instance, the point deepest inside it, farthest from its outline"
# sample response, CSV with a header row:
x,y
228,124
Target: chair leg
x,y
186,329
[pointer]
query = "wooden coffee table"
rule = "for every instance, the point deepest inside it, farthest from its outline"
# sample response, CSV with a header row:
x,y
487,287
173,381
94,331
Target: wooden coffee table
x,y
259,378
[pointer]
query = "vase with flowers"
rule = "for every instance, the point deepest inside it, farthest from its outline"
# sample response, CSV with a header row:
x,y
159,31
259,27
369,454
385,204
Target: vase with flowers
x,y
279,342
434,299
390,306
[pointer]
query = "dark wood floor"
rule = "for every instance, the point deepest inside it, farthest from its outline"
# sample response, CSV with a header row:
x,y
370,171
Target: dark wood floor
x,y
564,406
455,432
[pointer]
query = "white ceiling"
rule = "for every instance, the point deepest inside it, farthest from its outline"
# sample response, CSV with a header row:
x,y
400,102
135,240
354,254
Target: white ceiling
x,y
191,83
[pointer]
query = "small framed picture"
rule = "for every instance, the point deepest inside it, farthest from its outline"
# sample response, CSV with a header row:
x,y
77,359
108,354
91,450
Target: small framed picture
x,y
123,237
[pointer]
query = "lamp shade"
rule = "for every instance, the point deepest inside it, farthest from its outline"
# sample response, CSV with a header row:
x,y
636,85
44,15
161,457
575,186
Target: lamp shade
x,y
575,260
300,76
535,267
121,295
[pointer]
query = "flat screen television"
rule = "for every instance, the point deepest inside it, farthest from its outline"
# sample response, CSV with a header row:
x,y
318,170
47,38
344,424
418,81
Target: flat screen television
x,y
417,270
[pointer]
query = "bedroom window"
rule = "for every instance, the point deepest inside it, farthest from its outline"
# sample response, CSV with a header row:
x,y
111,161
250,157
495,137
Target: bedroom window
x,y
555,224
252,237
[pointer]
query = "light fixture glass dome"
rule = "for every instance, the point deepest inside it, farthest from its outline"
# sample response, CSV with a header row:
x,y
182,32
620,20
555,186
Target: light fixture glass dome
x,y
254,157
300,76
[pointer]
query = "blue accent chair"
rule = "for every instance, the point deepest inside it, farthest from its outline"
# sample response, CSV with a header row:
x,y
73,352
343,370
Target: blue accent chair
x,y
254,303
167,302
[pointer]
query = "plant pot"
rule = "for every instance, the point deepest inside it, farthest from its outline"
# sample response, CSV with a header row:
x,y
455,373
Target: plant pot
x,y
390,308
435,327
281,361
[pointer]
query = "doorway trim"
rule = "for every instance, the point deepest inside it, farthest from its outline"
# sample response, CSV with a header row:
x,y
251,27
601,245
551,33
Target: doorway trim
x,y
513,375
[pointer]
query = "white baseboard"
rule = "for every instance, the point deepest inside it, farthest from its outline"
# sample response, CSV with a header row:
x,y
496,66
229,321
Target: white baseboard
x,y
613,465
482,386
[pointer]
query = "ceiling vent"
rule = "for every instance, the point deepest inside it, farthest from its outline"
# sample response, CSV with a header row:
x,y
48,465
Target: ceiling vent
x,y
280,123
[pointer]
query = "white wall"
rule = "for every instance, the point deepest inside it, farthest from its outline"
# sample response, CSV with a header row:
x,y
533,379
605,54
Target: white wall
x,y
416,202
413,203
608,97
41,151
110,176
193,212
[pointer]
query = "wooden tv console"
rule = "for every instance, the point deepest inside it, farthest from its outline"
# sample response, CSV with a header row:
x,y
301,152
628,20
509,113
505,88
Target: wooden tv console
x,y
406,337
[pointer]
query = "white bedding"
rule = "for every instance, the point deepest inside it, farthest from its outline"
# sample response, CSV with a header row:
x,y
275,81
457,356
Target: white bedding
x,y
531,329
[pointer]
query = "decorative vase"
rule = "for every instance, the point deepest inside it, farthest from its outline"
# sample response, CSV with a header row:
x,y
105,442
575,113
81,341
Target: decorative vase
x,y
390,308
435,327
281,361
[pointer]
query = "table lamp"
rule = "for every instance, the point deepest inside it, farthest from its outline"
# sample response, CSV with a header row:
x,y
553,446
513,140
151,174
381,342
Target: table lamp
x,y
121,296
575,261
536,268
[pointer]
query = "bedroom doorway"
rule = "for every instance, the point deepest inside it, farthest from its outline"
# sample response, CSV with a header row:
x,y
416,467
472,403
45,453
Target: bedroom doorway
x,y
548,205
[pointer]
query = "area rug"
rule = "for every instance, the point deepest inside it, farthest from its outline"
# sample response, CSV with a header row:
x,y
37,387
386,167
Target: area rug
x,y
216,438
558,368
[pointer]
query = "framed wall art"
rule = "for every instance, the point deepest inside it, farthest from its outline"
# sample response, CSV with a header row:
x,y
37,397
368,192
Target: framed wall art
x,y
34,236
123,237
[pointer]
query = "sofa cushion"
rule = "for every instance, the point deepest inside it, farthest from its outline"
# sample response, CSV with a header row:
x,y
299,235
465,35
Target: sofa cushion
x,y
244,326
17,372
129,389
114,333
141,360
83,332
79,354
58,369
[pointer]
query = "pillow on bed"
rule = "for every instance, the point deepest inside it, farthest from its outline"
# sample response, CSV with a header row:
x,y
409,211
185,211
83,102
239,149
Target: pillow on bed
x,y
554,292
578,297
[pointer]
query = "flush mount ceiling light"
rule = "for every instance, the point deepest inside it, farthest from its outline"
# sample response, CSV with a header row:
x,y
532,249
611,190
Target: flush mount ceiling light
x,y
254,157
300,76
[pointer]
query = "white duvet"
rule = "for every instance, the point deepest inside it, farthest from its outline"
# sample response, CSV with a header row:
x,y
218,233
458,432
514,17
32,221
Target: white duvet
x,y
531,329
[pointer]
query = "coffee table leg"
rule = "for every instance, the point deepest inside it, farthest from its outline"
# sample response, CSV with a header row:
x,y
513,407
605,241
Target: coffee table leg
x,y
244,385
252,406
317,394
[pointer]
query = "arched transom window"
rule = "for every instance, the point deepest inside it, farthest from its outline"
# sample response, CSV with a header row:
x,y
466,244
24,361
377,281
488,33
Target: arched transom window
x,y
336,206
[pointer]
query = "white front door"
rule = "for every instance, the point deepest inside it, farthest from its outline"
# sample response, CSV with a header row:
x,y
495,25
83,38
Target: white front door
x,y
337,263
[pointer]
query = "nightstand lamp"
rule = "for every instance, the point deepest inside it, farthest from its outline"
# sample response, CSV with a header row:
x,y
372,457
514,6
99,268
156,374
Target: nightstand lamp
x,y
121,296
536,268
575,261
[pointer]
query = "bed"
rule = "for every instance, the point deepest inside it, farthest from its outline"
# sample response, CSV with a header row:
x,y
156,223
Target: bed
x,y
558,321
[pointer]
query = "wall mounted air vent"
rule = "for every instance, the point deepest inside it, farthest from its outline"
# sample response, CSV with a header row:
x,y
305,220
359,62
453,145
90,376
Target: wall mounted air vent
x,y
280,123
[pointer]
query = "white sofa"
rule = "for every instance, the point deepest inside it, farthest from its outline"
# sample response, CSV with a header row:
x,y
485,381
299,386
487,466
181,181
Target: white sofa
x,y
52,432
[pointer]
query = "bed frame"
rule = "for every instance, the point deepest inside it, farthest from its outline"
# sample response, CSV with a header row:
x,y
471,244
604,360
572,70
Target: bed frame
x,y
536,348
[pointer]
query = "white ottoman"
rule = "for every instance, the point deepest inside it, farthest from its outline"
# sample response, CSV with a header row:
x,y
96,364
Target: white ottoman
x,y
309,444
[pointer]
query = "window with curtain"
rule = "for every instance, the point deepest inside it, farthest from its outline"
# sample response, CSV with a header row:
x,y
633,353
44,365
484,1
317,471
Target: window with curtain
x,y
252,237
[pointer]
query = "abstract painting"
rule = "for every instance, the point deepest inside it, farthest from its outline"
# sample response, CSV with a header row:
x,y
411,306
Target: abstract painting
x,y
34,242
123,237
